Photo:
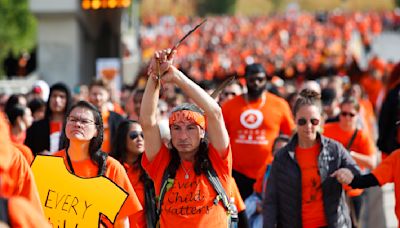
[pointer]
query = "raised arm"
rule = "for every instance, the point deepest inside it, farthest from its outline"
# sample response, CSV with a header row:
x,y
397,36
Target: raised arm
x,y
216,129
148,109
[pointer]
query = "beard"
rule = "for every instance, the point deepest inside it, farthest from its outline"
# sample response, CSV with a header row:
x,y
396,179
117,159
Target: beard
x,y
255,93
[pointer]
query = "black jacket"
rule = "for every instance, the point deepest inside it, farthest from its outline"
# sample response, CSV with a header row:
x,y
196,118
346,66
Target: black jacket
x,y
38,135
390,113
283,198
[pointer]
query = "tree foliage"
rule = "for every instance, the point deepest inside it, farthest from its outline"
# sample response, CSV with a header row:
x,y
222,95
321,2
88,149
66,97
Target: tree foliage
x,y
204,7
17,27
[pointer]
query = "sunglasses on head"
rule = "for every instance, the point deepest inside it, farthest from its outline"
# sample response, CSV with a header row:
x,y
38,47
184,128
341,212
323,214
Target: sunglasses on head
x,y
303,121
135,134
348,114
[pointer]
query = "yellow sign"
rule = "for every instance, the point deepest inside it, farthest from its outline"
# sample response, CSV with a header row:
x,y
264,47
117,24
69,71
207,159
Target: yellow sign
x,y
105,4
72,201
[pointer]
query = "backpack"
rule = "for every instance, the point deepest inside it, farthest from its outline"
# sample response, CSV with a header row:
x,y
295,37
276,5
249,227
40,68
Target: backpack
x,y
168,181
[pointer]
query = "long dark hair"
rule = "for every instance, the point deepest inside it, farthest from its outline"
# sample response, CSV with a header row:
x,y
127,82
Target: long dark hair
x,y
14,112
201,159
119,151
96,155
201,163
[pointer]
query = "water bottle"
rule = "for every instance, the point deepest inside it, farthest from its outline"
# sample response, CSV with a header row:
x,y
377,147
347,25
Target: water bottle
x,y
234,213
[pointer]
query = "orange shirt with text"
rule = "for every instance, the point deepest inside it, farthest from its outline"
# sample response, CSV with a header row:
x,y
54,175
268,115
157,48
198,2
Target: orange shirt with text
x,y
388,172
115,172
252,128
190,201
362,144
312,209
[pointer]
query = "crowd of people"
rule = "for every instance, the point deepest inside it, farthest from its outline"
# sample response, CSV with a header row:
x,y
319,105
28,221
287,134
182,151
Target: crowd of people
x,y
288,45
261,151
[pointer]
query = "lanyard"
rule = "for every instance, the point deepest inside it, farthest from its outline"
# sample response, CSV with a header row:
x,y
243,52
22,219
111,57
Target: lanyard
x,y
69,162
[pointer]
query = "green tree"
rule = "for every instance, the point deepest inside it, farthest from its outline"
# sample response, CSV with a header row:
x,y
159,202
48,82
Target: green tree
x,y
204,7
17,28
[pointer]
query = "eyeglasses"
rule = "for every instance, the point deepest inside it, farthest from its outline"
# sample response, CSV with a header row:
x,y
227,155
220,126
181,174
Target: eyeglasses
x,y
347,114
134,134
303,121
73,119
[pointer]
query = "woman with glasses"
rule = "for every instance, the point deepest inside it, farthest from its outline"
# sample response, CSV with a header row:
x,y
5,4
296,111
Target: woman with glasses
x,y
300,191
82,156
128,149
357,142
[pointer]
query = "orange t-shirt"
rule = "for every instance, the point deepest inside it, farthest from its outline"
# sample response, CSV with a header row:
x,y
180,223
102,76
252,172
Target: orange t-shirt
x,y
116,173
29,216
372,87
25,151
368,117
106,146
362,144
139,219
261,180
16,176
239,203
190,201
388,172
252,129
312,206
18,138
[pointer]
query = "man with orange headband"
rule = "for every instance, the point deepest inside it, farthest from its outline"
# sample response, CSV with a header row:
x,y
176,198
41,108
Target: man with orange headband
x,y
190,197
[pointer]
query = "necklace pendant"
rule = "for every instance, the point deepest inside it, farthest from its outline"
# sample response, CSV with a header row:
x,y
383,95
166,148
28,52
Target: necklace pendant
x,y
186,176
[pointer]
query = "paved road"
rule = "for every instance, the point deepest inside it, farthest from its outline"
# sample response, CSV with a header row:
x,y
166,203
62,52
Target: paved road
x,y
381,206
387,46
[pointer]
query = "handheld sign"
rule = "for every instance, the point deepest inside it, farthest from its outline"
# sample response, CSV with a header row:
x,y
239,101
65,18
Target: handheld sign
x,y
72,201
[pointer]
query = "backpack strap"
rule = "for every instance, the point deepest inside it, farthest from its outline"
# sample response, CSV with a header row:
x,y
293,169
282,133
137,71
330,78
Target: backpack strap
x,y
216,183
166,183
4,216
353,137
150,203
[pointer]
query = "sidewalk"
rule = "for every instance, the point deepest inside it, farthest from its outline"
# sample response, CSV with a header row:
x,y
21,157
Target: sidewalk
x,y
388,205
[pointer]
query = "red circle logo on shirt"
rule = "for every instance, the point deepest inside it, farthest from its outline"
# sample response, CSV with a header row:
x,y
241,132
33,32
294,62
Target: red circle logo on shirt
x,y
251,118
